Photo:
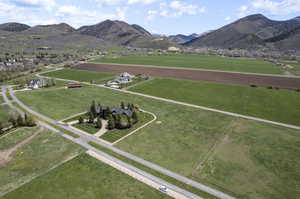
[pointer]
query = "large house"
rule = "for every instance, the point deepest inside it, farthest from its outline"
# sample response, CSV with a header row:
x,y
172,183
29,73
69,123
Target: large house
x,y
124,78
114,111
36,83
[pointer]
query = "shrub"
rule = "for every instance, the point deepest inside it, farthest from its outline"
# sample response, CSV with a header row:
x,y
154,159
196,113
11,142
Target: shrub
x,y
269,87
253,86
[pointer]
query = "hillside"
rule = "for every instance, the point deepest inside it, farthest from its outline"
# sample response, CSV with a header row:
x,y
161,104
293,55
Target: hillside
x,y
121,33
13,27
249,32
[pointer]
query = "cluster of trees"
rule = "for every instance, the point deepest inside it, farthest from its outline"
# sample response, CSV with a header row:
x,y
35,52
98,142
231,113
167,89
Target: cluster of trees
x,y
17,120
97,113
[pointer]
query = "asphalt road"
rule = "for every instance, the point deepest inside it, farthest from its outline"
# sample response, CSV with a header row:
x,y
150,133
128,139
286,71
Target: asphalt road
x,y
85,138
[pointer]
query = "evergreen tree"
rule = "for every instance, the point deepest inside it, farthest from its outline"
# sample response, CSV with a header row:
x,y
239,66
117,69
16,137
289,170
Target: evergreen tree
x,y
13,121
1,128
20,121
99,123
93,109
129,121
135,117
111,123
80,120
29,121
91,118
122,105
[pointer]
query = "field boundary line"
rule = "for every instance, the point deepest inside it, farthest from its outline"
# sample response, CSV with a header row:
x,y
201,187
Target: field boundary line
x,y
139,83
75,115
198,107
208,109
141,127
195,69
137,175
43,173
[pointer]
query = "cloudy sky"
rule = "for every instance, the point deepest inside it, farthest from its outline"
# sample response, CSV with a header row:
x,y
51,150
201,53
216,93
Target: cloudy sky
x,y
158,16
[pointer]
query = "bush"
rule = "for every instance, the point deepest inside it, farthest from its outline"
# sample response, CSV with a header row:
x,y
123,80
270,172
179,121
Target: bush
x,y
269,87
253,86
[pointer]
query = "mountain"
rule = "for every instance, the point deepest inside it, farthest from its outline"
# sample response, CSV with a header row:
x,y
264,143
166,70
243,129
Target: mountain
x,y
249,32
181,39
121,33
54,29
14,27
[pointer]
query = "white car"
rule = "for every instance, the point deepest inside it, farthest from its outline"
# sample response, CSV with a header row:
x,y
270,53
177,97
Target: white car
x,y
163,188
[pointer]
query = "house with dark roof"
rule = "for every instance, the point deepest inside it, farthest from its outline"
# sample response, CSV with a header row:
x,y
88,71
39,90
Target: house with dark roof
x,y
115,110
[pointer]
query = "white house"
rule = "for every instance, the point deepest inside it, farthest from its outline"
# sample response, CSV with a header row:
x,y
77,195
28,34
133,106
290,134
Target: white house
x,y
36,83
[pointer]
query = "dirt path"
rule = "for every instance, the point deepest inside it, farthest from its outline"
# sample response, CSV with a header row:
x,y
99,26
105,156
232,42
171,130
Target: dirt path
x,y
5,156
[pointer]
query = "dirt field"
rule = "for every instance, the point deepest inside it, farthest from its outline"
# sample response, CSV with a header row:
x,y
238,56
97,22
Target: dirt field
x,y
198,75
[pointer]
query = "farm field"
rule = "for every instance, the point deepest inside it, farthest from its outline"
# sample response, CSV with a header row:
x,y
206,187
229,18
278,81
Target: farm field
x,y
247,79
42,153
199,62
85,177
271,104
77,75
234,155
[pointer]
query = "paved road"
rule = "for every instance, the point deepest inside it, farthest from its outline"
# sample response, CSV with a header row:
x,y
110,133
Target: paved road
x,y
85,138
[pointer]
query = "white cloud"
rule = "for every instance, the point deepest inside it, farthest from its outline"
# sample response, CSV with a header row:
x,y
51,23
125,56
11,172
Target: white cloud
x,y
130,2
48,4
175,8
142,1
184,8
282,7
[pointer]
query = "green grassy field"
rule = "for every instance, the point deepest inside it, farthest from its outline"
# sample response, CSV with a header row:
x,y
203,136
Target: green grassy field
x,y
16,136
77,75
87,127
116,134
276,105
199,62
185,138
41,154
85,177
1,99
4,113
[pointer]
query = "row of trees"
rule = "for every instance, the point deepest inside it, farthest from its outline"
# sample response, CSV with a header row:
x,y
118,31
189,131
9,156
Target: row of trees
x,y
17,120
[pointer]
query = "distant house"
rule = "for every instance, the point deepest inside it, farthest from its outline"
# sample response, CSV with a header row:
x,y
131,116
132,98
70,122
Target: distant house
x,y
74,85
36,83
124,78
173,49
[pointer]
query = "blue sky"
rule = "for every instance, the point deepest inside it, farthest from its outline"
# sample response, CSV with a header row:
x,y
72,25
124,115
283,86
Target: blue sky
x,y
157,16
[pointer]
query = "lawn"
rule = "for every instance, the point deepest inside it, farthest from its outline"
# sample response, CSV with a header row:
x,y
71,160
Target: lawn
x,y
1,99
4,113
276,105
41,154
85,177
199,62
116,134
183,137
87,127
76,118
77,75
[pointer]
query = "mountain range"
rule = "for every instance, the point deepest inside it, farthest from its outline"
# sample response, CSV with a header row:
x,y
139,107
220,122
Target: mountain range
x,y
181,39
253,31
